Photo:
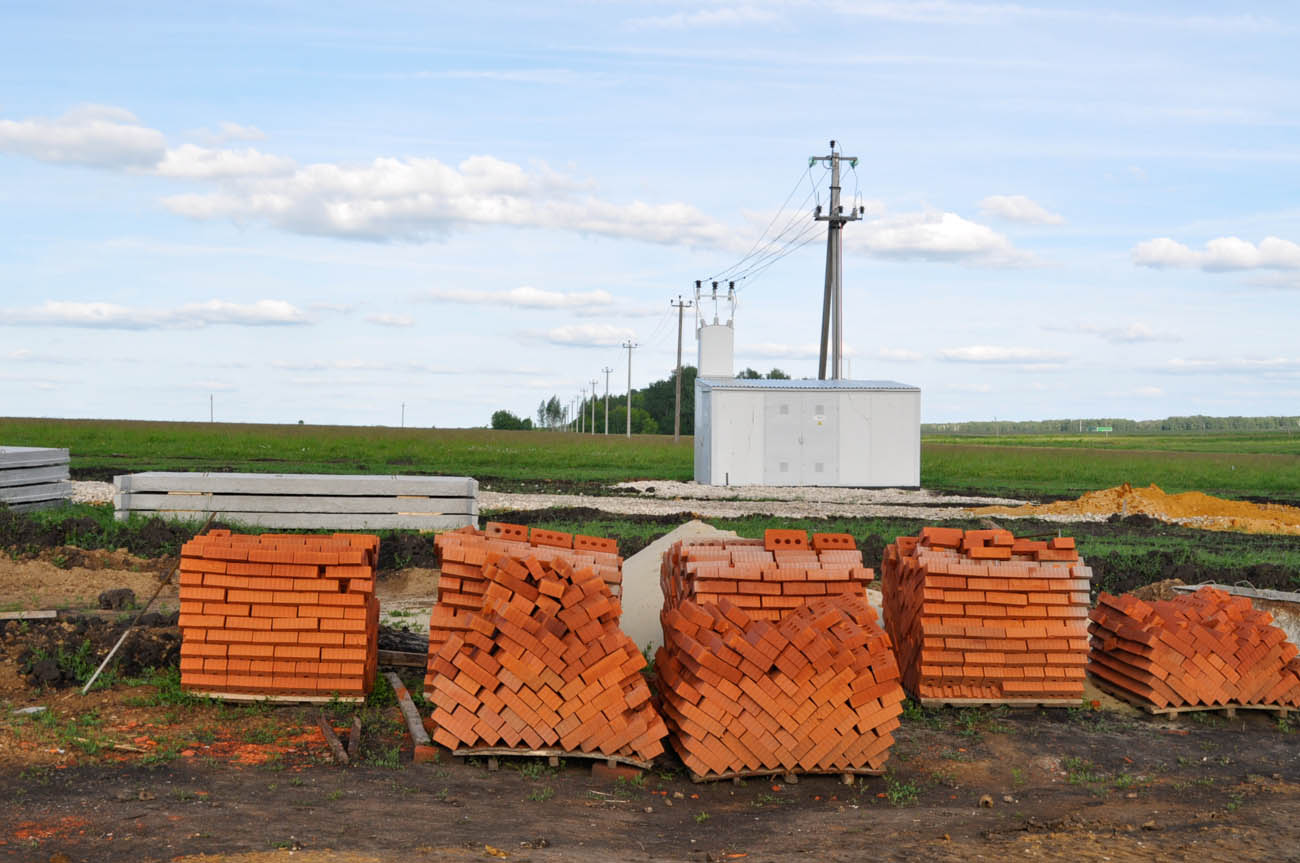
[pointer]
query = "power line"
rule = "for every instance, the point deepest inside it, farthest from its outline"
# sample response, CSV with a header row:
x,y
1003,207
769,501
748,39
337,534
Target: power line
x,y
795,219
776,216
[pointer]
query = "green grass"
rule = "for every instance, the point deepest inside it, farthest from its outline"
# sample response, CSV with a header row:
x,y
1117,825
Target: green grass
x,y
1246,464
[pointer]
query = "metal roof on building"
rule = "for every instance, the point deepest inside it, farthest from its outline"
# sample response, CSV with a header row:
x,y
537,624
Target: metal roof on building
x,y
765,384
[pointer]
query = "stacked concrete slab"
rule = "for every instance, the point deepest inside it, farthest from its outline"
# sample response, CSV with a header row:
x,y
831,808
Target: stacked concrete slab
x,y
980,616
302,501
1207,648
33,478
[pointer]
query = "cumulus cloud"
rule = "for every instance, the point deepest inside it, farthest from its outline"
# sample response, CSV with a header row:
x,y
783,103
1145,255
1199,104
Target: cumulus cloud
x,y
726,16
110,316
192,162
97,136
996,354
1220,254
1018,208
416,199
523,297
387,320
585,335
933,237
1135,333
1232,366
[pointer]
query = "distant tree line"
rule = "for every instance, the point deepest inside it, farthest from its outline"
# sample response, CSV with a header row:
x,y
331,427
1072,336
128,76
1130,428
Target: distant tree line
x,y
652,408
1117,425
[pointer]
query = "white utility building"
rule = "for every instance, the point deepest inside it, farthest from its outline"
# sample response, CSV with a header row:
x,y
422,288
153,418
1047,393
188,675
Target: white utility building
x,y
800,432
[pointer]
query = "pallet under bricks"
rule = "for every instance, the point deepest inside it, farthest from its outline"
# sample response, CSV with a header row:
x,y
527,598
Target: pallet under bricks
x,y
464,553
279,614
541,662
981,615
1204,648
807,685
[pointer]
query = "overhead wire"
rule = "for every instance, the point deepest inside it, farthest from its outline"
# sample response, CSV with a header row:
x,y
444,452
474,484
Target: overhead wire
x,y
760,249
777,215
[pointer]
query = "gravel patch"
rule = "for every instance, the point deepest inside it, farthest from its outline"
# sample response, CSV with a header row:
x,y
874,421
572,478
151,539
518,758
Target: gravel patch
x,y
92,492
670,489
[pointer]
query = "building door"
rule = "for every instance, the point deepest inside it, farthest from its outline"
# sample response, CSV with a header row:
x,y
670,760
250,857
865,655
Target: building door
x,y
821,439
801,439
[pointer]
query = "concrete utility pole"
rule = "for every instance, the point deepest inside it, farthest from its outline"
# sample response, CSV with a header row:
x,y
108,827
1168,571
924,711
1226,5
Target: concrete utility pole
x,y
607,370
211,409
593,404
403,415
833,298
582,411
630,345
677,398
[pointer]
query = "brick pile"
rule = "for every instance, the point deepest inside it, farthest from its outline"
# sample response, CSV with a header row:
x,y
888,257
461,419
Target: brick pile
x,y
980,615
1207,648
279,614
541,663
768,578
807,686
464,554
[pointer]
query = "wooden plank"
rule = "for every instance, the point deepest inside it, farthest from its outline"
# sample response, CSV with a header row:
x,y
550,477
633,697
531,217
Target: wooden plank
x,y
790,776
280,483
275,503
322,520
44,614
332,739
31,456
413,722
1174,710
1000,702
354,739
498,751
404,658
245,697
32,475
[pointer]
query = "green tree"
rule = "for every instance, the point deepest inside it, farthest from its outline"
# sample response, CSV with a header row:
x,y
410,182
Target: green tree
x,y
748,374
552,414
504,419
777,375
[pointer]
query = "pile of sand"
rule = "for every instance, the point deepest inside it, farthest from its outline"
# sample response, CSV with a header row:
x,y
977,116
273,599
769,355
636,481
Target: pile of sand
x,y
1191,508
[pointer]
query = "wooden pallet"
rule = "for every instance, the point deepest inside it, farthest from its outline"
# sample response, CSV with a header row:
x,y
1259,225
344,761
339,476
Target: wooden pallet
x,y
247,697
552,756
790,777
1229,710
999,702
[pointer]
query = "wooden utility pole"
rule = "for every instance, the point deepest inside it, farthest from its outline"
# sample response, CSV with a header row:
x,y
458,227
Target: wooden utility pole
x,y
677,398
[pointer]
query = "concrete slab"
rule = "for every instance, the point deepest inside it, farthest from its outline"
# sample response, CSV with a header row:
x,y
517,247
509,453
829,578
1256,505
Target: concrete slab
x,y
643,598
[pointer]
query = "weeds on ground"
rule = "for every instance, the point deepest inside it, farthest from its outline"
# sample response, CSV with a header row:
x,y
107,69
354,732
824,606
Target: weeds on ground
x,y
900,793
539,795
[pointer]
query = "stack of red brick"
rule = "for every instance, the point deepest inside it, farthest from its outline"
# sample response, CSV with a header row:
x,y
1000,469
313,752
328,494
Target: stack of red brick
x,y
808,686
540,662
1204,648
279,614
464,553
768,578
982,615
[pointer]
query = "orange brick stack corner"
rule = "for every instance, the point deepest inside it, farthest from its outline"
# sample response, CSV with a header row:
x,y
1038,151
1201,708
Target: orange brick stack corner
x,y
807,686
980,615
768,578
1205,648
543,664
279,614
463,552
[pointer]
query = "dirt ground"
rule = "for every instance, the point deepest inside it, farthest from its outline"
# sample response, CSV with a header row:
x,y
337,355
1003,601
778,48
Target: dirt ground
x,y
1064,785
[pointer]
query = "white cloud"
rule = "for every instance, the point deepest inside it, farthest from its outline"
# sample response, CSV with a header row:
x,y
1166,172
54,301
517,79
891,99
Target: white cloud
x,y
415,199
1220,254
192,162
361,366
1018,208
726,16
97,315
995,354
97,136
1233,366
1148,392
1135,333
239,132
524,297
585,335
776,351
387,320
901,355
933,237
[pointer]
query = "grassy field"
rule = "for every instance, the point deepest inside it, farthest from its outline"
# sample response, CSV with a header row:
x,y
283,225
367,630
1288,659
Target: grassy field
x,y
1244,465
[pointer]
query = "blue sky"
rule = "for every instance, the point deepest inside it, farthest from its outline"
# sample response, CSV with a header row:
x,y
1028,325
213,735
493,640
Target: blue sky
x,y
324,211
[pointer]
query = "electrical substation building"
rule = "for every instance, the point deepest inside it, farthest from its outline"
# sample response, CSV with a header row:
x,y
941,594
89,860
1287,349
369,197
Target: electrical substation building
x,y
858,433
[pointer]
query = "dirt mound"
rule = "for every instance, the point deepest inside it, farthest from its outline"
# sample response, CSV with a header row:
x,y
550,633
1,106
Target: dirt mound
x,y
1191,508
1159,590
65,652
